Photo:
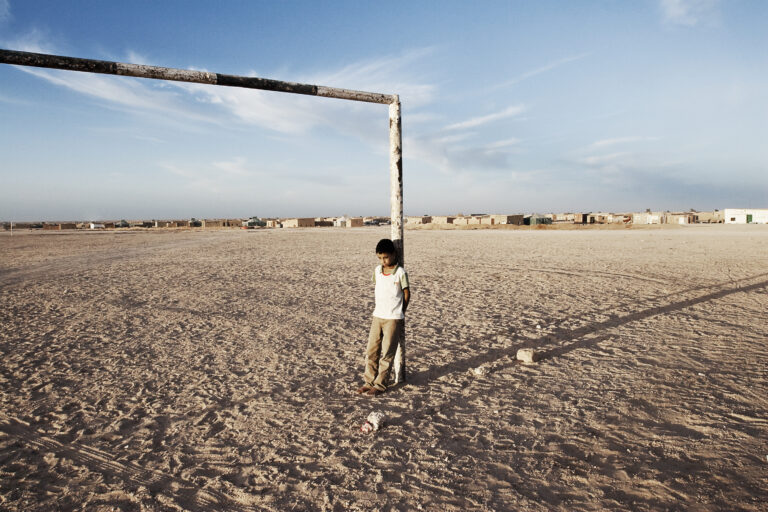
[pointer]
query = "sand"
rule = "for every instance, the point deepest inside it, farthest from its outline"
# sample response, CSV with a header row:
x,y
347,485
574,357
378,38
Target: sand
x,y
214,370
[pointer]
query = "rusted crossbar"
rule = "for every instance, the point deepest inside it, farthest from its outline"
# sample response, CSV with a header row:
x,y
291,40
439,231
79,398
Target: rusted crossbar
x,y
42,60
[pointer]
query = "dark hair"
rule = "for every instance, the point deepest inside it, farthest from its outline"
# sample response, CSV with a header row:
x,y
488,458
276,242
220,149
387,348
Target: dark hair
x,y
385,246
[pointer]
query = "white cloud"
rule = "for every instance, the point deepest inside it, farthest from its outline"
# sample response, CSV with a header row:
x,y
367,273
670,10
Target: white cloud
x,y
452,139
621,140
285,113
600,160
543,69
33,41
688,12
501,144
445,155
512,111
387,75
126,93
235,166
294,114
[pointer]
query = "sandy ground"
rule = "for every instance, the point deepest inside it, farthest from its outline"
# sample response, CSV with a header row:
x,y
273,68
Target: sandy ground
x,y
215,371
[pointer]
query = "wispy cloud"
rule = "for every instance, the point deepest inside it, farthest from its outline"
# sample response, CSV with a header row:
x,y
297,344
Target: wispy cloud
x,y
32,41
621,140
389,75
277,112
688,12
514,110
599,160
236,166
127,94
501,144
446,155
543,69
14,101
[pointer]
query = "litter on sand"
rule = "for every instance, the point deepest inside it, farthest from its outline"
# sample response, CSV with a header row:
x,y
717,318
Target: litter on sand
x,y
373,423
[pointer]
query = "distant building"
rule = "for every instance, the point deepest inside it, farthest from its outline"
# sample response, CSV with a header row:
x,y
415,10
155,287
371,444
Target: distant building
x,y
745,216
714,217
680,218
213,223
563,217
442,220
619,218
536,219
647,218
598,218
59,227
580,218
253,222
425,219
355,222
96,225
516,220
305,222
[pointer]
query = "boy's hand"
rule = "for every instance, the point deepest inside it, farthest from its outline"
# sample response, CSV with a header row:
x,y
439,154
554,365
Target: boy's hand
x,y
406,298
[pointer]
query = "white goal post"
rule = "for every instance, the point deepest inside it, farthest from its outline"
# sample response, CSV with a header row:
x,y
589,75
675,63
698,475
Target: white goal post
x,y
42,60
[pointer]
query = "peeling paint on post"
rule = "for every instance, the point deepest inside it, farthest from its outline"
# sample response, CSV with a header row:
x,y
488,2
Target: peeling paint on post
x,y
396,213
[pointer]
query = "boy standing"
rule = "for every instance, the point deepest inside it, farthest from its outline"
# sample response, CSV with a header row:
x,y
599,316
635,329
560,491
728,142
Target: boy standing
x,y
392,297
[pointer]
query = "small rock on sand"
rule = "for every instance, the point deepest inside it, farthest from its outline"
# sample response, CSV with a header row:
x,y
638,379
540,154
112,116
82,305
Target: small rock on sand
x,y
527,355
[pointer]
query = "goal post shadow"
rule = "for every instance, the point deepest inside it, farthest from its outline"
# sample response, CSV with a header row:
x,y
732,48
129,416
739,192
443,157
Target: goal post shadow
x,y
41,60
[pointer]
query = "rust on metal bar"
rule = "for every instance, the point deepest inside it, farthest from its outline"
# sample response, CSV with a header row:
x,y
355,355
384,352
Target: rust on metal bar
x,y
42,60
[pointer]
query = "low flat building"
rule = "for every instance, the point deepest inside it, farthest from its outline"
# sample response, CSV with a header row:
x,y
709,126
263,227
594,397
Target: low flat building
x,y
580,218
745,216
425,219
516,220
714,217
355,222
304,222
680,218
59,226
537,219
213,223
646,218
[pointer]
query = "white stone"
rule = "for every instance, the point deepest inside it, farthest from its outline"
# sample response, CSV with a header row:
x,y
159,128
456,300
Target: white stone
x,y
376,419
527,355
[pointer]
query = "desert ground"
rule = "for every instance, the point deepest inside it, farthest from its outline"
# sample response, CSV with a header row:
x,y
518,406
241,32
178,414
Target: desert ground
x,y
215,370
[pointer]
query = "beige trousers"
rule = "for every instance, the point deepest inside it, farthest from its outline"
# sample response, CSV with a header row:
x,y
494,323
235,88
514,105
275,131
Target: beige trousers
x,y
382,345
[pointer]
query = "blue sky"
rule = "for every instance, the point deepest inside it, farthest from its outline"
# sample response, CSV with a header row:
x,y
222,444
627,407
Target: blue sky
x,y
508,107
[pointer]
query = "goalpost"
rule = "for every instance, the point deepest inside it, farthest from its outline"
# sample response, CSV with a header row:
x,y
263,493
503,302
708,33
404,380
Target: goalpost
x,y
42,60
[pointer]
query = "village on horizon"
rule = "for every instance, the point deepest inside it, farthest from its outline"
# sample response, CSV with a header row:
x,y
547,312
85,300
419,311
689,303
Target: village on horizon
x,y
725,216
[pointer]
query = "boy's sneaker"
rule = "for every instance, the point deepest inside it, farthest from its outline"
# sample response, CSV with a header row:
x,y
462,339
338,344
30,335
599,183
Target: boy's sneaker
x,y
363,389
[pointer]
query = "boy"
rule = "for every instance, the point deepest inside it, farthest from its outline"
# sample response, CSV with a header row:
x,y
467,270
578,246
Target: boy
x,y
392,297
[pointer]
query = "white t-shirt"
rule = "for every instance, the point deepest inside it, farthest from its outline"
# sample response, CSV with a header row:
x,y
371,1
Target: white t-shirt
x,y
389,293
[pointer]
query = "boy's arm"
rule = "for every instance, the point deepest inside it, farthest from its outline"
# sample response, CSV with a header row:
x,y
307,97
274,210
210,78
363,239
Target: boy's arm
x,y
406,298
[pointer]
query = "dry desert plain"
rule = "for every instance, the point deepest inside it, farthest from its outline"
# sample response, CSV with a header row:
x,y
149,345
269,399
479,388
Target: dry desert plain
x,y
214,370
